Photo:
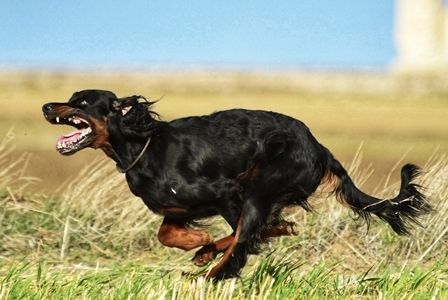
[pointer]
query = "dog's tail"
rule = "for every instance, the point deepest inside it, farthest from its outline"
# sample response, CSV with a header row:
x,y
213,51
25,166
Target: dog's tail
x,y
400,212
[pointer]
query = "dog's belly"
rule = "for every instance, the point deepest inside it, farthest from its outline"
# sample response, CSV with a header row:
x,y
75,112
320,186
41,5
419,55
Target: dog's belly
x,y
181,211
179,203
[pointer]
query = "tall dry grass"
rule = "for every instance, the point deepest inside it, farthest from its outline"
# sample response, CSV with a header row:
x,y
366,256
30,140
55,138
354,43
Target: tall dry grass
x,y
94,239
99,204
13,171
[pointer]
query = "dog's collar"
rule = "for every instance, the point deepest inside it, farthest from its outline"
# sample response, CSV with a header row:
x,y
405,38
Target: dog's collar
x,y
136,160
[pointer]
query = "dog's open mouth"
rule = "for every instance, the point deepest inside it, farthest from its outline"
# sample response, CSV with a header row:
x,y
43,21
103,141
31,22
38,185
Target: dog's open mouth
x,y
82,137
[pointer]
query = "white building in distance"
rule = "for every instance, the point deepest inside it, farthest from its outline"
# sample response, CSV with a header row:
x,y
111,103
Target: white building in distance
x,y
421,35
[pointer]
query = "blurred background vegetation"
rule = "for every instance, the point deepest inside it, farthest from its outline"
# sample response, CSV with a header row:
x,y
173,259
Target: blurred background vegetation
x,y
390,116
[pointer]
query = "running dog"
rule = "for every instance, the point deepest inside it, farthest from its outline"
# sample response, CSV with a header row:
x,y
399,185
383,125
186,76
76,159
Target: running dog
x,y
243,165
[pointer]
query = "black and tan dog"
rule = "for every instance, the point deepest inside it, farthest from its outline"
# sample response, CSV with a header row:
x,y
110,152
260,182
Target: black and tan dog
x,y
243,165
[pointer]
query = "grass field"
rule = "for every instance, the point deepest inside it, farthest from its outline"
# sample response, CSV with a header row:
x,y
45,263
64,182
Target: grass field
x,y
76,231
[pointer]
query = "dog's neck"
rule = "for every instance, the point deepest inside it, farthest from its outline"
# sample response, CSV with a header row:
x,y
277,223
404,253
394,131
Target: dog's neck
x,y
127,150
126,153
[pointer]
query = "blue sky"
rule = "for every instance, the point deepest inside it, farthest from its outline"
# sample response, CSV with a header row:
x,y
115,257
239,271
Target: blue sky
x,y
278,34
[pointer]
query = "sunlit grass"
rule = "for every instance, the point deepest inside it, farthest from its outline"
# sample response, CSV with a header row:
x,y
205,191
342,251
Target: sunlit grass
x,y
93,239
270,279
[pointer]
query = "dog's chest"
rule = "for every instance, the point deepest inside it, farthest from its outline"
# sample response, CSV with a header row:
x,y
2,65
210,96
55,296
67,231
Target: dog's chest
x,y
163,196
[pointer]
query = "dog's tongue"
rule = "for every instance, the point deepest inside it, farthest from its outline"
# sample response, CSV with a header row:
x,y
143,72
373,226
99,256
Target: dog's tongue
x,y
71,137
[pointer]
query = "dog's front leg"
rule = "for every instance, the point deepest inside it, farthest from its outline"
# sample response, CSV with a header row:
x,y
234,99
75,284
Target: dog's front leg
x,y
173,234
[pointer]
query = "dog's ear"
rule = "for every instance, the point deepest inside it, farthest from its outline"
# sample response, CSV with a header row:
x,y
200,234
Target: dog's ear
x,y
124,105
137,118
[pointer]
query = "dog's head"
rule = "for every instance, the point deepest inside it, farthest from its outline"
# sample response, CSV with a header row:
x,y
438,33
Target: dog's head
x,y
97,115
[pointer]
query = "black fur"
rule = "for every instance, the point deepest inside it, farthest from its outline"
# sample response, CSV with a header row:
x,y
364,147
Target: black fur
x,y
236,163
405,208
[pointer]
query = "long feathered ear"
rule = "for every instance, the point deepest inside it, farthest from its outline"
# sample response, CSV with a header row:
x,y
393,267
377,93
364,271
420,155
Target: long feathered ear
x,y
138,120
124,105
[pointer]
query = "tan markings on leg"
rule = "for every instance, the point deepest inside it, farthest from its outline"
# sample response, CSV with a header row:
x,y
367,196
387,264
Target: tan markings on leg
x,y
283,228
209,252
329,183
179,236
228,254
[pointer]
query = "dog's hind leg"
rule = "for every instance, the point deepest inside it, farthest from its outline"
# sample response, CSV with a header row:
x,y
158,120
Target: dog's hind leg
x,y
172,234
247,236
282,228
222,270
269,174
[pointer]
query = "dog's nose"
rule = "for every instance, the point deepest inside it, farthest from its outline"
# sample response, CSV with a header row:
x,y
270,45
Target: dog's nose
x,y
46,108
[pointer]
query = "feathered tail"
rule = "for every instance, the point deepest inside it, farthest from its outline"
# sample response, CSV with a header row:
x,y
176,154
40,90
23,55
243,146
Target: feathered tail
x,y
400,212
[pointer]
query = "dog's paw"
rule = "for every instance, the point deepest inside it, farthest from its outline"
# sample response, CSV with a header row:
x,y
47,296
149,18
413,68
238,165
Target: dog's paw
x,y
205,255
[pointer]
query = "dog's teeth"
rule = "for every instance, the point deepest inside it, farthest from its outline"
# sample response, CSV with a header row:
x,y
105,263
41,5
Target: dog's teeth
x,y
57,119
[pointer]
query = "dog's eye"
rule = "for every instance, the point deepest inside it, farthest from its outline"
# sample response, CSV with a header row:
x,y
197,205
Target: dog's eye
x,y
83,103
